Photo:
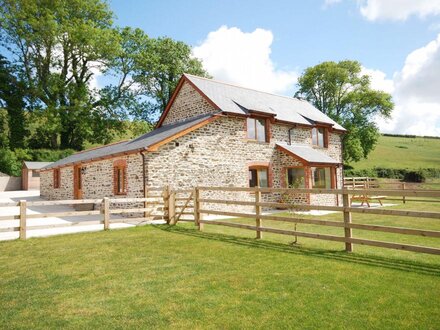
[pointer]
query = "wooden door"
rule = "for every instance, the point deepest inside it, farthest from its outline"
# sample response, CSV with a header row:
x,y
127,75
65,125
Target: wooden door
x,y
77,182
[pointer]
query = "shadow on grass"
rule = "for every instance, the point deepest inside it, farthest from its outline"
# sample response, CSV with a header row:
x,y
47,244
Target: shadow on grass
x,y
370,260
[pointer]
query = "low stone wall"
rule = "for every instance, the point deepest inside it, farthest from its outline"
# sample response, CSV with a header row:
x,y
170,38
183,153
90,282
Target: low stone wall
x,y
10,183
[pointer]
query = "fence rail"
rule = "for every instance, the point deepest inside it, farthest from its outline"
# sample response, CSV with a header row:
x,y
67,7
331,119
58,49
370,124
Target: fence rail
x,y
105,210
346,209
174,205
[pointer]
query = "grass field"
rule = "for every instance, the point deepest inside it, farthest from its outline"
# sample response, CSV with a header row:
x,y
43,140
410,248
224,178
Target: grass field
x,y
401,152
163,277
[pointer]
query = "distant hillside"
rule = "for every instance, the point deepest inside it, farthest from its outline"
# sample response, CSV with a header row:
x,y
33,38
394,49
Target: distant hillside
x,y
403,152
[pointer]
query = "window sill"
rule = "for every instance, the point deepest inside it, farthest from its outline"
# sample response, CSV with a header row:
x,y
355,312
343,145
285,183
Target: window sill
x,y
121,194
255,141
318,147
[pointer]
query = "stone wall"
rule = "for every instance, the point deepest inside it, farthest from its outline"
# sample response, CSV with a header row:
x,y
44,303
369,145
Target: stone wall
x,y
188,103
219,154
65,191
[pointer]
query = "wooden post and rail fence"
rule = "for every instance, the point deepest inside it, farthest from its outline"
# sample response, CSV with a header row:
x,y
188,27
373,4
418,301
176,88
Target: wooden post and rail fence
x,y
346,209
173,205
356,183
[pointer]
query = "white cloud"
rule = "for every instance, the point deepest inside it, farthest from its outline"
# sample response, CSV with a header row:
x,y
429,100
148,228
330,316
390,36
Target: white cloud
x,y
243,58
378,80
415,90
398,10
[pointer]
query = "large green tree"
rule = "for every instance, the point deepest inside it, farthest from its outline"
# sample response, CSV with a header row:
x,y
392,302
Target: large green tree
x,y
57,45
159,67
12,99
60,47
342,92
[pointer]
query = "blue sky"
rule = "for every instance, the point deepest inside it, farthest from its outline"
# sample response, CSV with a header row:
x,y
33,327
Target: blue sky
x,y
397,41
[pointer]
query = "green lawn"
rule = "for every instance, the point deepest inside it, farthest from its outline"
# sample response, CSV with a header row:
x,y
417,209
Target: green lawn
x,y
178,277
401,152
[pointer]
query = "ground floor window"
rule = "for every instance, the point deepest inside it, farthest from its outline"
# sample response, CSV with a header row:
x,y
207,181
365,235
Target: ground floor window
x,y
258,176
321,177
120,170
296,178
56,178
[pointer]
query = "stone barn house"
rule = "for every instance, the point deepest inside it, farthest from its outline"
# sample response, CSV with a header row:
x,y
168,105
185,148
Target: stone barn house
x,y
212,134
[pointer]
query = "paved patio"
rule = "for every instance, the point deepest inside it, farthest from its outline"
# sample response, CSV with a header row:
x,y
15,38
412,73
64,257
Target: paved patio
x,y
34,195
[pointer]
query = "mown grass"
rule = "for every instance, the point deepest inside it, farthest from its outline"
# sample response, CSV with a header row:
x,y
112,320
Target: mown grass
x,y
401,152
178,277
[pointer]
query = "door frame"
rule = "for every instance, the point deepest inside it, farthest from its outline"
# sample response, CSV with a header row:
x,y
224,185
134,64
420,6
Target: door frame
x,y
77,182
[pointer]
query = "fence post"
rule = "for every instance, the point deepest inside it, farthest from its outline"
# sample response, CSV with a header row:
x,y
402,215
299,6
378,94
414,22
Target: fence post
x,y
258,212
404,197
22,219
347,220
106,202
196,207
166,199
172,207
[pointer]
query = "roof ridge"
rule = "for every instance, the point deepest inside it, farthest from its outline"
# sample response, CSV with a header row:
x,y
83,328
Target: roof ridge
x,y
238,86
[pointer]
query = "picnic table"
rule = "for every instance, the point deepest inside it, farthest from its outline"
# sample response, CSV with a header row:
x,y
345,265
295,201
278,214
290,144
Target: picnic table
x,y
366,199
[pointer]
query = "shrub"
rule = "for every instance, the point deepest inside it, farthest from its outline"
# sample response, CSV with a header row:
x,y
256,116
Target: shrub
x,y
11,160
415,176
419,175
9,163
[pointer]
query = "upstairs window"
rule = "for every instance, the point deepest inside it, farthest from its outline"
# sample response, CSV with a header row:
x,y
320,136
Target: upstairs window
x,y
256,129
319,137
56,178
258,177
120,177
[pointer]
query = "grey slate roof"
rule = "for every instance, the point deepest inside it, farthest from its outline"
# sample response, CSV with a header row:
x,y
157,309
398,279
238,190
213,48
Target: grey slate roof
x,y
36,165
140,143
307,153
237,100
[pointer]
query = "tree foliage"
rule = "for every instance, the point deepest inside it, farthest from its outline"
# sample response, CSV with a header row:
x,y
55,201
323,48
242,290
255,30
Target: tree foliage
x,y
160,66
340,91
60,49
12,94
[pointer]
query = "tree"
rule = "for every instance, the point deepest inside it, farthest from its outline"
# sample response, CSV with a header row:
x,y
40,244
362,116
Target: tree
x,y
159,67
12,94
59,47
340,91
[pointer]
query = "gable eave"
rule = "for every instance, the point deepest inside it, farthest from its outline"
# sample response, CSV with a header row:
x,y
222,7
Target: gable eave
x,y
182,80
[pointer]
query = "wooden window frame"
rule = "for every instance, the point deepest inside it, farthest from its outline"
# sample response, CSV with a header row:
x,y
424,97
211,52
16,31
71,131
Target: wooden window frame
x,y
56,178
324,137
260,167
286,175
332,176
120,167
266,129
